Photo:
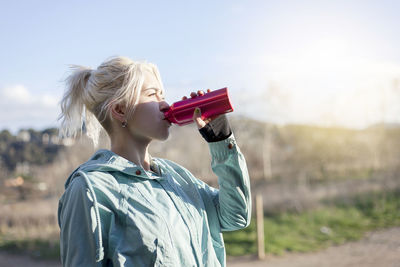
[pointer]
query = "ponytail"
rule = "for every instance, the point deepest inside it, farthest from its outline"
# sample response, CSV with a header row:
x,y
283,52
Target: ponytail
x,y
74,114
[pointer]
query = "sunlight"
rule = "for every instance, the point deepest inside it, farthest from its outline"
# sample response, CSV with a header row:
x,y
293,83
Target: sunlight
x,y
336,81
326,55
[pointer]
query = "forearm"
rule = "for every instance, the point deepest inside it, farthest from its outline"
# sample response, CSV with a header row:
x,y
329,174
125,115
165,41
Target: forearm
x,y
234,197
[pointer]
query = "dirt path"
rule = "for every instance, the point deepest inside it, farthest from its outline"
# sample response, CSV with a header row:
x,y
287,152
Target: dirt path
x,y
381,248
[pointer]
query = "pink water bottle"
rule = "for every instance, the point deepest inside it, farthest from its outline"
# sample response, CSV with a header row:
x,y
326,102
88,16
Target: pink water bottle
x,y
211,104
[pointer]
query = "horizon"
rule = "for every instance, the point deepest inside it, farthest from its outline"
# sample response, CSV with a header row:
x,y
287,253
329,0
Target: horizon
x,y
243,116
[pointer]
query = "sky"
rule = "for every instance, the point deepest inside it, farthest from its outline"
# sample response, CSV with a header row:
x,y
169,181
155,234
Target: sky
x,y
328,63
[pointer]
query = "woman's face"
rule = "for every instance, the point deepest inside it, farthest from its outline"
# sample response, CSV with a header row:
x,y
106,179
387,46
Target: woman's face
x,y
147,122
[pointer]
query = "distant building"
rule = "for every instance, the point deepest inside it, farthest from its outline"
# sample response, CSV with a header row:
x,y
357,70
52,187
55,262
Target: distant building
x,y
24,136
45,138
56,140
14,182
68,141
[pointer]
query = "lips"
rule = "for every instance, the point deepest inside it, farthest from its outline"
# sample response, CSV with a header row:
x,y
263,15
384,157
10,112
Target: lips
x,y
167,121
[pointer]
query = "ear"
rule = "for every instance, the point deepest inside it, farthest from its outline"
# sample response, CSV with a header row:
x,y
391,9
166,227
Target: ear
x,y
118,112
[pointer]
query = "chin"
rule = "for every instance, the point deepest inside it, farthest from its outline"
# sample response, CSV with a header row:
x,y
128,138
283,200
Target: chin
x,y
163,137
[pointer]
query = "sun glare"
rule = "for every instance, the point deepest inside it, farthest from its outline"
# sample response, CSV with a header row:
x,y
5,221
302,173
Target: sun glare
x,y
336,81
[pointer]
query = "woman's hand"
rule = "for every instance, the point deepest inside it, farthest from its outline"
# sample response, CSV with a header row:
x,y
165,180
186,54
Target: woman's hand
x,y
197,112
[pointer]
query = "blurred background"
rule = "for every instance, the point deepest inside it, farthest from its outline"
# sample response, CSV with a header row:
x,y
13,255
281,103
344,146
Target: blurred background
x,y
315,86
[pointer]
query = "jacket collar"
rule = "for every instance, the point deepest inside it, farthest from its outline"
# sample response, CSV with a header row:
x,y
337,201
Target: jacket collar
x,y
106,160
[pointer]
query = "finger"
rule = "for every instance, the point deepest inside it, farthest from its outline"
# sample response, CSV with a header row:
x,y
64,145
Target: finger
x,y
207,120
197,118
210,119
200,92
214,117
193,94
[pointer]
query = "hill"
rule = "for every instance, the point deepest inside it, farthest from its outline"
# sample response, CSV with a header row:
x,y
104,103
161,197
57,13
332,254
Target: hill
x,y
294,154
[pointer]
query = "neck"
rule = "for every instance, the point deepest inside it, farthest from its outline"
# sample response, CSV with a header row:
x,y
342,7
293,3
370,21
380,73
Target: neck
x,y
133,150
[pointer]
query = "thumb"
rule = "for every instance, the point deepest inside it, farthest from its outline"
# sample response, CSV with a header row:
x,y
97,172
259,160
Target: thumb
x,y
197,118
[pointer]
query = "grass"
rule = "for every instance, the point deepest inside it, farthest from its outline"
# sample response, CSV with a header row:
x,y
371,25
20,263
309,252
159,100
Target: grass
x,y
37,248
333,224
336,222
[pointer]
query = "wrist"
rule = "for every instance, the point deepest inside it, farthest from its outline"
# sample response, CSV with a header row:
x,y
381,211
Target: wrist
x,y
216,130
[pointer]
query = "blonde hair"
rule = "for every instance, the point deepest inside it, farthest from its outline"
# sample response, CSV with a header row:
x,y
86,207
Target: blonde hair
x,y
90,93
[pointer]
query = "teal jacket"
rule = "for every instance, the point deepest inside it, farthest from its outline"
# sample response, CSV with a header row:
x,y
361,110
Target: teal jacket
x,y
115,213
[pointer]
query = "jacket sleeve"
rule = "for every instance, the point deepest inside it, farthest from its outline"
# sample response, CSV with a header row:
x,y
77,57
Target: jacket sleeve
x,y
77,217
233,199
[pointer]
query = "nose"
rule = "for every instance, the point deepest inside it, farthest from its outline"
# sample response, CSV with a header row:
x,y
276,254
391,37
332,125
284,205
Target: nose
x,y
164,106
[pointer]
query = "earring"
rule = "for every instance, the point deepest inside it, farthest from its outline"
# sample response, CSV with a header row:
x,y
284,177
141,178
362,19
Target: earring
x,y
124,124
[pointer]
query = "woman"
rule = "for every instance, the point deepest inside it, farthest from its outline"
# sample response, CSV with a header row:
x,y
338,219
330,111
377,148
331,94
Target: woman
x,y
125,208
